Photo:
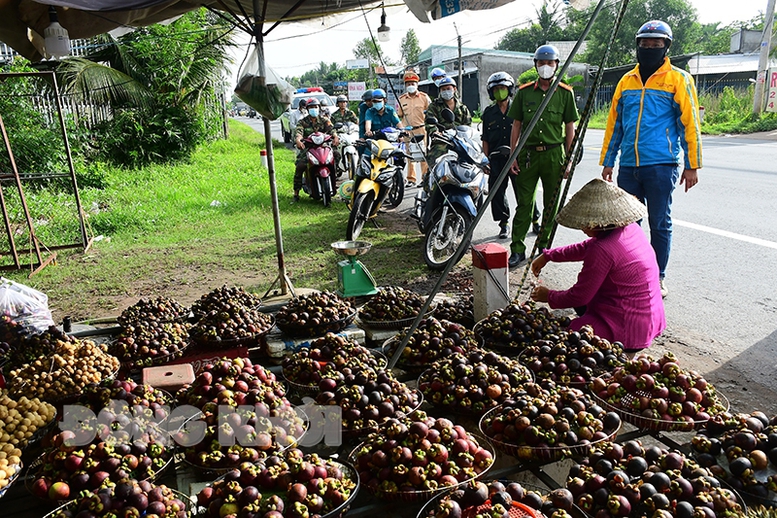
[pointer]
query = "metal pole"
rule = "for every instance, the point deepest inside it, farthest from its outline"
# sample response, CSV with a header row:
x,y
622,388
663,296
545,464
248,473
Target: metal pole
x,y
763,59
283,278
17,179
79,208
461,70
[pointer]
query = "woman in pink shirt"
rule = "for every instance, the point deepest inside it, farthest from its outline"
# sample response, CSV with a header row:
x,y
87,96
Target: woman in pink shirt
x,y
617,289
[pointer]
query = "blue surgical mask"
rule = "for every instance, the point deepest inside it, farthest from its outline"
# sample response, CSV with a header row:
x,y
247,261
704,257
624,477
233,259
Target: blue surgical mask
x,y
378,105
437,82
313,112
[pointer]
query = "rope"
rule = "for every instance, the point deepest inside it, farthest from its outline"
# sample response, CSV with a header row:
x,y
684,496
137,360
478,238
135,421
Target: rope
x,y
574,157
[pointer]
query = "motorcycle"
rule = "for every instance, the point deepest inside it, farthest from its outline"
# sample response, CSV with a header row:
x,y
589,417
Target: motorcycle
x,y
349,156
452,194
378,179
318,182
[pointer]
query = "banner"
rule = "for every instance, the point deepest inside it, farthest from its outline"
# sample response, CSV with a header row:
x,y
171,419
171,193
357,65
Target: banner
x,y
356,90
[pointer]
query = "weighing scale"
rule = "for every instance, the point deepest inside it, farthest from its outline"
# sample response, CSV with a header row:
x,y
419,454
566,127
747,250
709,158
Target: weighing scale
x,y
353,278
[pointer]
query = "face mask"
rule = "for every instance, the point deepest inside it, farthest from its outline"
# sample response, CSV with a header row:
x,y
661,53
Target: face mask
x,y
378,105
446,94
650,58
313,112
437,82
411,89
500,95
546,71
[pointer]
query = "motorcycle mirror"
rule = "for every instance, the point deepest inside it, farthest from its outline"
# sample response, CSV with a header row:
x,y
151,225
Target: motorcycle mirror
x,y
431,120
338,125
448,116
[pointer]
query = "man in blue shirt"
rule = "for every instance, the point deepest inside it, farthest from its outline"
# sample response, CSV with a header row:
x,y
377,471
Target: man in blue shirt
x,y
379,116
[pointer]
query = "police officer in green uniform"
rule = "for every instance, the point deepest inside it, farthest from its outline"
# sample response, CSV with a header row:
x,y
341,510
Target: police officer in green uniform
x,y
315,121
461,116
542,158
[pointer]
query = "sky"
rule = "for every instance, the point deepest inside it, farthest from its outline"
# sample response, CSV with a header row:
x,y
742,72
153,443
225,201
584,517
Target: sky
x,y
293,49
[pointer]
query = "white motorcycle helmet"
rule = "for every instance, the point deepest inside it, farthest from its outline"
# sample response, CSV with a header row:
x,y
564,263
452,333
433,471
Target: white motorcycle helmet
x,y
500,79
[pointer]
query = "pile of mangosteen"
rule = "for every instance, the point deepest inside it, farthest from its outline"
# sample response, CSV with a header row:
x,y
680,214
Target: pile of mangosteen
x,y
432,339
315,314
391,303
518,325
572,357
472,382
636,481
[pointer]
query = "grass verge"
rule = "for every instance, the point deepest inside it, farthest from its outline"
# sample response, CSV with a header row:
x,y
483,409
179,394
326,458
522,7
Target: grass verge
x,y
184,229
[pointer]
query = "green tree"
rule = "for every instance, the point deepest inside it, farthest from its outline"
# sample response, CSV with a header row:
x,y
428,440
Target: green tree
x,y
409,49
679,14
550,25
161,82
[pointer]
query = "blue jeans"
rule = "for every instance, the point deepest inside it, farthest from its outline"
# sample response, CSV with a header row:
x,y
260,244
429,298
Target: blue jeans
x,y
654,185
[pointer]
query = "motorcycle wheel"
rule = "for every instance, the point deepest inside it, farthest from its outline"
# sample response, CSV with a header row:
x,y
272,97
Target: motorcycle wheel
x,y
397,192
438,250
360,213
325,187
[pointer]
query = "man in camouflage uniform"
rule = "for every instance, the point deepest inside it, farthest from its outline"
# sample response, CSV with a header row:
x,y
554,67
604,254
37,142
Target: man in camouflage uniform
x,y
343,114
315,121
461,117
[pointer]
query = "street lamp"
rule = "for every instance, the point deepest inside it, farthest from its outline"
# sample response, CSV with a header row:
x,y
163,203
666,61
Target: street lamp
x,y
383,30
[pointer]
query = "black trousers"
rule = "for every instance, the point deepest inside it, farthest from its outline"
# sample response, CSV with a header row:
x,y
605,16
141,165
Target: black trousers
x,y
500,210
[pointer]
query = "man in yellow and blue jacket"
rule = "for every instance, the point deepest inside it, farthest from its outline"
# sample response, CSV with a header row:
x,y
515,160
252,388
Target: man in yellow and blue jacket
x,y
654,113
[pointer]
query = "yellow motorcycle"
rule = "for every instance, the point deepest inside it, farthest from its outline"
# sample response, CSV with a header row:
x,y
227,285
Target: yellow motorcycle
x,y
378,178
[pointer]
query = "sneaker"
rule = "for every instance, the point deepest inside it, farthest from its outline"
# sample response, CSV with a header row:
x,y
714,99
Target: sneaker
x,y
664,290
503,231
516,259
296,198
535,227
410,184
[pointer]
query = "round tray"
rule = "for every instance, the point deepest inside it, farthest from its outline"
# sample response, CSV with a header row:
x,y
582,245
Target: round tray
x,y
312,331
255,338
413,368
38,463
206,470
655,425
348,471
191,506
157,360
599,371
13,478
530,454
393,325
426,494
312,390
500,347
457,411
362,432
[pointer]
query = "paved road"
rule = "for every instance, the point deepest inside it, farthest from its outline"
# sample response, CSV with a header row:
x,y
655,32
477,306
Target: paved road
x,y
722,274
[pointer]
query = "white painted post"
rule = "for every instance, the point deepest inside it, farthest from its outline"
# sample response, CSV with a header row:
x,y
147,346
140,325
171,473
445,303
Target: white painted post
x,y
490,275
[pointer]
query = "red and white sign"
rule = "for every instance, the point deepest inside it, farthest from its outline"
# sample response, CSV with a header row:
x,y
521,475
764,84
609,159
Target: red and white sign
x,y
771,91
356,90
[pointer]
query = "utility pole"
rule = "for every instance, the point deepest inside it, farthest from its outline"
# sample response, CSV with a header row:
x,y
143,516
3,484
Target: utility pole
x,y
461,69
763,60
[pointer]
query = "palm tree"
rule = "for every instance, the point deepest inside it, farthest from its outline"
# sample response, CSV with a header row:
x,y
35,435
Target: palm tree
x,y
161,75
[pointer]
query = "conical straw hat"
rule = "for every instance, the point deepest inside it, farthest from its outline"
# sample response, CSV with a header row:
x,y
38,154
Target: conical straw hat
x,y
601,204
